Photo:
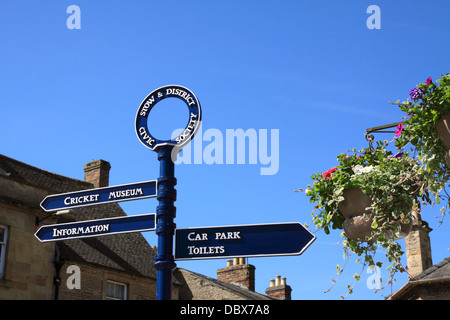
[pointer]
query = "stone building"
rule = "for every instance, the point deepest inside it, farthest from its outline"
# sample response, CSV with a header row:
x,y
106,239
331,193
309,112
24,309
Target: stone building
x,y
117,266
109,267
426,281
234,282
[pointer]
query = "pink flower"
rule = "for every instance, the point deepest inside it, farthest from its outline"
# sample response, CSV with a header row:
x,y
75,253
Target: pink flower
x,y
327,174
428,81
399,129
332,170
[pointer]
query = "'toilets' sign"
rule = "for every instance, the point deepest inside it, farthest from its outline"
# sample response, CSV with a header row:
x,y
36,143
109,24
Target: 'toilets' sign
x,y
126,192
259,240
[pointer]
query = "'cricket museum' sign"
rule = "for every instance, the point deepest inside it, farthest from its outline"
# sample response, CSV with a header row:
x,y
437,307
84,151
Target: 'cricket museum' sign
x,y
151,100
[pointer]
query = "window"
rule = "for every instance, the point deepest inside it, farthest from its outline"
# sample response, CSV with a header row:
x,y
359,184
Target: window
x,y
3,240
116,290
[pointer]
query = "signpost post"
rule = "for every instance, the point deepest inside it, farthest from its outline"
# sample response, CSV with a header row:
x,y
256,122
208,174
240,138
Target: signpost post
x,y
165,212
259,240
164,260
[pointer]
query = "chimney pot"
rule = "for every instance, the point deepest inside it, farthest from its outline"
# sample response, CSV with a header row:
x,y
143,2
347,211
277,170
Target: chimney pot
x,y
237,273
278,289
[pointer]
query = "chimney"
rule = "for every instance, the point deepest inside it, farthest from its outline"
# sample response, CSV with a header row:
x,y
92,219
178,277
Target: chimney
x,y
239,273
278,289
418,248
97,173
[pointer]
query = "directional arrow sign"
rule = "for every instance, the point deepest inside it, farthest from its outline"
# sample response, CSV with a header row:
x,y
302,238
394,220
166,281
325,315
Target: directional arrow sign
x,y
132,191
261,240
95,228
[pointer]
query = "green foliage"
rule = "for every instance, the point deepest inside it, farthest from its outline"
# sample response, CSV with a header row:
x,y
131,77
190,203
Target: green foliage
x,y
397,184
393,182
419,130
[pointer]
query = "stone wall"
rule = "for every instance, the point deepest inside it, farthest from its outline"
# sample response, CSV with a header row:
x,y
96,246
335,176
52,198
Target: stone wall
x,y
29,266
418,248
199,288
93,280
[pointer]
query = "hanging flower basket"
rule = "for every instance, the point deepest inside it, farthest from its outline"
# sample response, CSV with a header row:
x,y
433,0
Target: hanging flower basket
x,y
359,220
427,130
369,196
372,194
355,203
443,131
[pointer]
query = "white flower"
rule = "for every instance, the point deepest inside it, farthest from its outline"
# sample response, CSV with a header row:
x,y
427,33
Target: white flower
x,y
367,169
359,169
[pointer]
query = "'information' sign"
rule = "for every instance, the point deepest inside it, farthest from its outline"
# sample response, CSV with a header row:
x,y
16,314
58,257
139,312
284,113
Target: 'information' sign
x,y
95,228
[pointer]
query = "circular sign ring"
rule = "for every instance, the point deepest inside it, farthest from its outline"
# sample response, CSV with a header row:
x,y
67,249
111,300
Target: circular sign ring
x,y
170,91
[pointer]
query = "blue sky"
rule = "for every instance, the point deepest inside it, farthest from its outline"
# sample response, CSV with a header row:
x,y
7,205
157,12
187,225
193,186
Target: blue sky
x,y
310,69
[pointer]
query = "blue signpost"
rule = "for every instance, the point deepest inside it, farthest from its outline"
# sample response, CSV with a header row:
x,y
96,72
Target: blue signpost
x,y
192,243
95,228
166,149
204,243
126,192
259,240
